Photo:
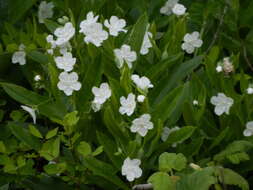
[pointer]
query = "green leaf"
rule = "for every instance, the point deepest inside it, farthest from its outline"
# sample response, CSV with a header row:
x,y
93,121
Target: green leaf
x,y
177,74
137,33
51,25
19,8
181,134
104,170
23,135
170,161
199,180
55,168
2,147
51,149
230,177
98,151
161,181
35,132
84,149
38,57
219,138
69,122
51,133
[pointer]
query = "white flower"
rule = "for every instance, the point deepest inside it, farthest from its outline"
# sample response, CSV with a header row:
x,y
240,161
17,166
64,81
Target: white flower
x,y
227,65
50,39
167,131
93,30
167,8
191,41
50,51
64,48
102,93
64,33
68,82
249,90
195,102
141,98
142,124
249,129
19,56
45,11
127,104
31,112
146,44
179,9
65,62
219,69
96,106
37,78
142,82
125,54
222,103
115,25
131,169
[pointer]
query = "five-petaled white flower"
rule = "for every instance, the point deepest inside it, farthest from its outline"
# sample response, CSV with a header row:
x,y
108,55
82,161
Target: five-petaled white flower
x,y
127,104
222,103
125,54
31,112
142,82
249,129
168,6
68,82
102,93
131,169
142,124
93,30
179,9
146,44
19,56
45,11
65,62
64,33
115,25
191,41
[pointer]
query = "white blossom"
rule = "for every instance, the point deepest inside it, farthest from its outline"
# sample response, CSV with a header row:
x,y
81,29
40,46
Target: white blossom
x,y
249,129
191,41
115,25
51,41
168,6
127,104
64,48
96,106
19,56
167,131
93,30
249,90
141,98
227,65
146,44
64,33
65,62
37,78
68,82
30,111
102,93
222,103
125,54
219,69
195,102
179,9
142,124
45,11
131,169
141,82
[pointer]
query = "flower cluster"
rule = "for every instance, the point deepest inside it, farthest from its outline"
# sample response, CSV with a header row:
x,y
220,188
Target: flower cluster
x,y
172,6
225,66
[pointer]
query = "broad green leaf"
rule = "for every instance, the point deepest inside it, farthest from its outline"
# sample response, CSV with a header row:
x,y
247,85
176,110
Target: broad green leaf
x,y
104,170
39,57
51,133
161,181
98,151
84,149
230,177
219,138
2,147
55,168
51,149
69,122
199,180
35,132
51,25
23,135
172,161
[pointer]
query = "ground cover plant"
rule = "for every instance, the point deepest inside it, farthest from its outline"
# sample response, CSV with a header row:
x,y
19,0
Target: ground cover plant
x,y
115,94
